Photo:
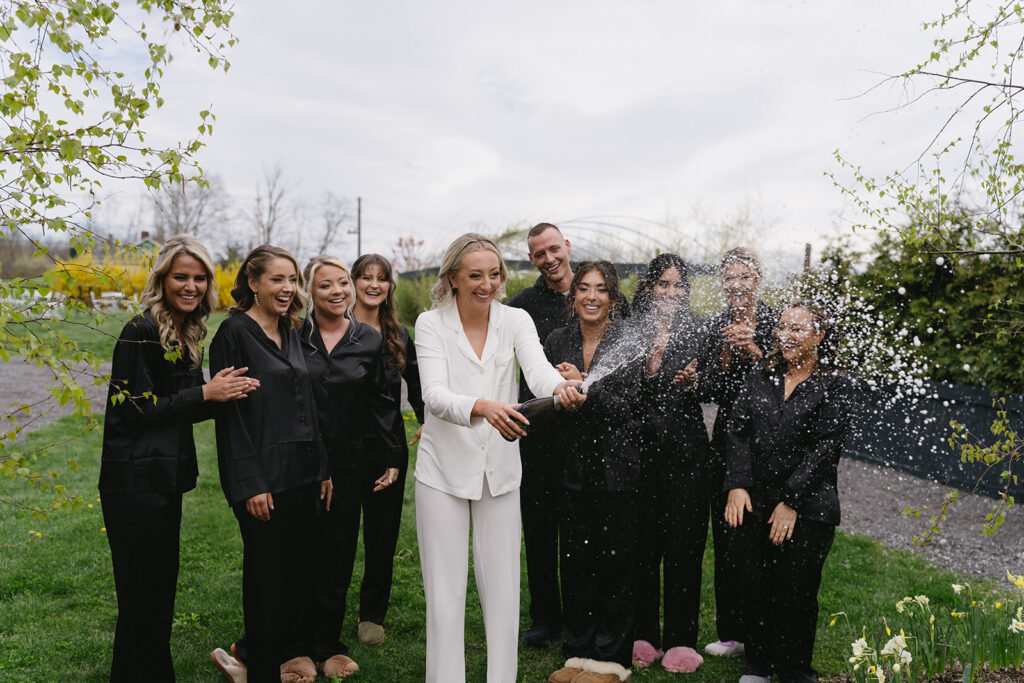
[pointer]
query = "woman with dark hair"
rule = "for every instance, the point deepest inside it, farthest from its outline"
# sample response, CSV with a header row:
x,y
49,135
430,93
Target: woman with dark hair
x,y
357,413
744,335
149,456
273,466
675,455
783,442
600,505
382,512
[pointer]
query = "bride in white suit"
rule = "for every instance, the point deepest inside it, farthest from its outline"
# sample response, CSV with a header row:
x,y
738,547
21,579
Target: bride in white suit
x,y
466,472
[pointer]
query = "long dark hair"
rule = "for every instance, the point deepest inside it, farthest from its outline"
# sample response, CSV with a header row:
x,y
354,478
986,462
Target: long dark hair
x,y
655,269
828,347
394,349
254,265
611,281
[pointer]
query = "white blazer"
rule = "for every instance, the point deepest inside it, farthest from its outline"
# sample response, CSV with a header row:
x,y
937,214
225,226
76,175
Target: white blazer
x,y
457,453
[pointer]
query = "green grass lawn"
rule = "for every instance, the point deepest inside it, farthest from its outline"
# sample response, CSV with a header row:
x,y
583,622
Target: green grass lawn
x,y
57,604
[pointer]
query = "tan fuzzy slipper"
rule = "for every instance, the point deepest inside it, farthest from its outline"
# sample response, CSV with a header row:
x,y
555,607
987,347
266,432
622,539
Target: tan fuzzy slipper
x,y
298,670
338,665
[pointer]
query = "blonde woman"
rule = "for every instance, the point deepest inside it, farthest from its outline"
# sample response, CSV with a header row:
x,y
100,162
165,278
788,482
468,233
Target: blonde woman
x,y
356,412
149,456
273,467
468,469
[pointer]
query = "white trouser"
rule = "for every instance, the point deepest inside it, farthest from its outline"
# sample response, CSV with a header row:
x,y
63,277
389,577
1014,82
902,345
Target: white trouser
x,y
442,529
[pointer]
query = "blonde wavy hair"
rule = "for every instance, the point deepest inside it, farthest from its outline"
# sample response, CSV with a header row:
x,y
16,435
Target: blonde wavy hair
x,y
194,328
309,273
442,292
254,265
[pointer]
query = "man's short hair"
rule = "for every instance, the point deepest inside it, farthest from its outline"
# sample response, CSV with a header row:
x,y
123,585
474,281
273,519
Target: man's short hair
x,y
539,228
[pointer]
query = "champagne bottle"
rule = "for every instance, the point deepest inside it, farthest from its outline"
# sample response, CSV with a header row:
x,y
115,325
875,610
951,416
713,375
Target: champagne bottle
x,y
539,411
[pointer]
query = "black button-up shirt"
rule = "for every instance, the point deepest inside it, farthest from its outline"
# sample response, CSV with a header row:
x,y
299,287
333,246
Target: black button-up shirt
x,y
270,440
674,438
147,428
787,451
355,407
597,442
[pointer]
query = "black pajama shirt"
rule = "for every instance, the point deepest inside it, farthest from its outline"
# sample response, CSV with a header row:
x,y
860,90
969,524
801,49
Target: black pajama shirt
x,y
733,596
357,413
600,511
787,451
269,442
148,462
674,519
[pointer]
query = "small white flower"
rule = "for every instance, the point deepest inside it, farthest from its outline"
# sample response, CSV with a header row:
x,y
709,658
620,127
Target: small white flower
x,y
896,668
899,607
859,646
905,657
881,675
1017,626
895,644
921,599
957,588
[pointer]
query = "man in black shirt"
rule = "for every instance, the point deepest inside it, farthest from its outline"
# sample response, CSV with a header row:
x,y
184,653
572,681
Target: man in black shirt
x,y
539,494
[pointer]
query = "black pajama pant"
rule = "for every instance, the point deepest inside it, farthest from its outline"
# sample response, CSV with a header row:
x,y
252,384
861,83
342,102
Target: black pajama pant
x,y
143,531
599,530
539,496
674,531
787,580
382,518
733,567
277,581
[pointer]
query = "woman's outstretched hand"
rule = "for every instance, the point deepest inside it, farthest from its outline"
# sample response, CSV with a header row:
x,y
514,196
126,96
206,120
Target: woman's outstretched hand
x,y
687,376
738,501
228,385
570,371
569,396
501,416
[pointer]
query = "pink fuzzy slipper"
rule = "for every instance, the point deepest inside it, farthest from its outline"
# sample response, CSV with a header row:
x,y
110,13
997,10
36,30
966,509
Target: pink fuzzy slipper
x,y
645,654
680,660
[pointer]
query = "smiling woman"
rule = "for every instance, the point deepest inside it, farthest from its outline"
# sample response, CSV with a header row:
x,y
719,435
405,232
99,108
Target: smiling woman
x,y
149,456
467,346
273,466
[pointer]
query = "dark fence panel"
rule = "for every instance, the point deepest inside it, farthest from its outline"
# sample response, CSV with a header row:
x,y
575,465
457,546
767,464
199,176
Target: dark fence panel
x,y
890,430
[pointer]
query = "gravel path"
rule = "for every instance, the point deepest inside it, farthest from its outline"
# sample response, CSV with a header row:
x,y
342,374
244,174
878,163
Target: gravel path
x,y
873,498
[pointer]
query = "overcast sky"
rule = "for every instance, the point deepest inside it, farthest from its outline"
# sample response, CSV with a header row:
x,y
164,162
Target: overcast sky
x,y
449,116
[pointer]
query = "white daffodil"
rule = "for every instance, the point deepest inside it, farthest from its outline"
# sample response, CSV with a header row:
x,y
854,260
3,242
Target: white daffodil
x,y
1017,626
859,646
921,600
905,657
957,588
896,644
